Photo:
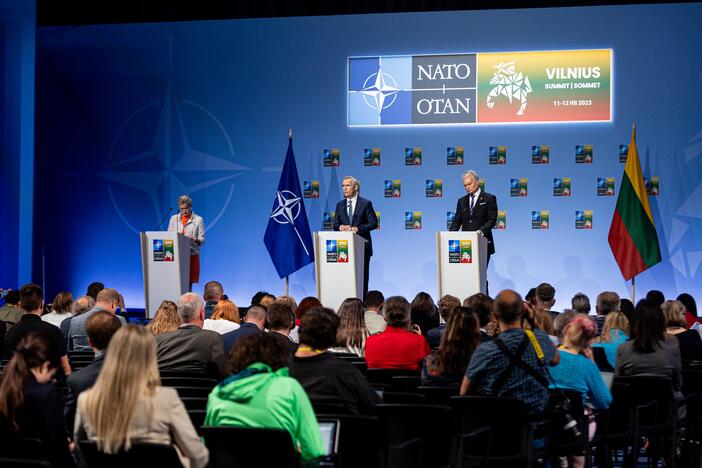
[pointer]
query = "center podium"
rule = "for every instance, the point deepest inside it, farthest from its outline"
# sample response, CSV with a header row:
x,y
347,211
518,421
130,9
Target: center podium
x,y
338,266
462,260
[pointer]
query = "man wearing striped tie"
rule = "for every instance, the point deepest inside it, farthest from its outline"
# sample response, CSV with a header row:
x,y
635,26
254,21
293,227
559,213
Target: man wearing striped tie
x,y
477,211
356,214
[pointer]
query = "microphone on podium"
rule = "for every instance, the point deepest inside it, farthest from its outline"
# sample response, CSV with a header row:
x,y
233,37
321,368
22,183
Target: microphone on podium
x,y
164,218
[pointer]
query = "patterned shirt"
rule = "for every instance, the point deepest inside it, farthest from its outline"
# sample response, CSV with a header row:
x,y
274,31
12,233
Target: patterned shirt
x,y
488,363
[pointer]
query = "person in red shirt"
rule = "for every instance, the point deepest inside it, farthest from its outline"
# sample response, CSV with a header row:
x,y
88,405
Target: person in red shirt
x,y
400,345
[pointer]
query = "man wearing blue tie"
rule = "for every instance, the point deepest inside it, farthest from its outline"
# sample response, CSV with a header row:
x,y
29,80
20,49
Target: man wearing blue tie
x,y
356,214
477,211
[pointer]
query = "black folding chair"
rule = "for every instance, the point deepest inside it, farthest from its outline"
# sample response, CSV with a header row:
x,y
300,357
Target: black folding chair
x,y
246,447
138,456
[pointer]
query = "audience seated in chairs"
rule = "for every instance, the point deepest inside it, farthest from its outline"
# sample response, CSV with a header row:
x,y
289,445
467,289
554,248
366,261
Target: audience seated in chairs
x,y
650,352
254,321
401,345
32,303
424,312
352,333
10,312
225,318
543,315
614,332
580,303
481,305
80,306
490,373
689,340
577,371
562,321
690,310
281,319
260,394
447,366
212,294
60,309
30,403
127,404
165,320
607,302
190,348
446,305
100,326
108,299
305,305
375,322
325,377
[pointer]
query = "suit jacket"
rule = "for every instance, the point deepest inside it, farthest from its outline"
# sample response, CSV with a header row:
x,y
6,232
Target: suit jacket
x,y
192,349
230,338
364,219
78,382
483,218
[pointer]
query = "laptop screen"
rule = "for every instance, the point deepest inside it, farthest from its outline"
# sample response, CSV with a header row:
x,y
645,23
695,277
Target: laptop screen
x,y
608,377
329,429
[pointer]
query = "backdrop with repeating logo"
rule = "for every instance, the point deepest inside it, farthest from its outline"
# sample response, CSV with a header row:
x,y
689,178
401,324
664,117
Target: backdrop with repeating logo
x,y
539,102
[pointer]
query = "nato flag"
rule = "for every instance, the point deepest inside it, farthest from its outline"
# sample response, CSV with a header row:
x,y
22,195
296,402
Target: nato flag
x,y
288,237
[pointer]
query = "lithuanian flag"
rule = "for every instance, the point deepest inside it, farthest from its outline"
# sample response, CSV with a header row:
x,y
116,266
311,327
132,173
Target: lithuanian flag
x,y
632,235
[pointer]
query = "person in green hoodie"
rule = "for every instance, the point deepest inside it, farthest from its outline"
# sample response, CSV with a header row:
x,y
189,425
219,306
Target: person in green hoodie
x,y
261,394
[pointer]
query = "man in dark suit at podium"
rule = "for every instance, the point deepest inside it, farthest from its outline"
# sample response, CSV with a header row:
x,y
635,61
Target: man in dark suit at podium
x,y
356,214
477,211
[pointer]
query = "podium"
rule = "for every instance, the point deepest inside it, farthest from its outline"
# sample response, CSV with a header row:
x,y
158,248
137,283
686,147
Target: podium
x,y
462,260
338,266
165,263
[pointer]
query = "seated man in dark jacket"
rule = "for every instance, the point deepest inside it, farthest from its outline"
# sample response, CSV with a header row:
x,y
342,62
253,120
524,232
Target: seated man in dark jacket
x,y
100,327
325,377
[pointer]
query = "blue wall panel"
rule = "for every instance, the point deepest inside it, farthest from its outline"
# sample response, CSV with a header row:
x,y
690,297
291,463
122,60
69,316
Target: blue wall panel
x,y
131,116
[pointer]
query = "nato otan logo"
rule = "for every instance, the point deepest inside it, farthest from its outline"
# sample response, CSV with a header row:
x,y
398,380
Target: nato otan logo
x,y
412,90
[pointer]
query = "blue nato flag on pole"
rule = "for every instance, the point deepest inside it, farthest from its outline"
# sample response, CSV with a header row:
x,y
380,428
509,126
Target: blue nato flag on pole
x,y
288,238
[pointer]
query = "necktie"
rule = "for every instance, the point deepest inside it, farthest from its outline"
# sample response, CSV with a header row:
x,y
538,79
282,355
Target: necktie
x,y
349,209
472,203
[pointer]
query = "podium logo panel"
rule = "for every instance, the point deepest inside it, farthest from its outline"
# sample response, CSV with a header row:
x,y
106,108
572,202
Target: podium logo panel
x,y
460,251
168,251
158,250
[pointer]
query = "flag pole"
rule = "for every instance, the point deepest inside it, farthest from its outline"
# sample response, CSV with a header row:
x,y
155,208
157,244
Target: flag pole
x,y
633,289
287,285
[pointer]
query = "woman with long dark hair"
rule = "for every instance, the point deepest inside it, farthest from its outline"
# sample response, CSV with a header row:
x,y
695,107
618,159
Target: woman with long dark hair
x,y
447,365
649,352
352,333
424,312
30,403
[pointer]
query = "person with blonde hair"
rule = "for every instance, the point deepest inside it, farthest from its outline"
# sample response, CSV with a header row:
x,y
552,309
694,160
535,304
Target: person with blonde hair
x,y
225,318
166,319
128,405
689,340
614,332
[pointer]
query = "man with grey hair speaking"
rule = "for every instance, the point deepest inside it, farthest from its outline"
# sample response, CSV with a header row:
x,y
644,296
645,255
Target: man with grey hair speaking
x,y
356,214
476,211
190,348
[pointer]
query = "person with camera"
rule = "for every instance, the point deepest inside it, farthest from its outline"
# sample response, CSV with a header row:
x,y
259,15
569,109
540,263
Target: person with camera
x,y
577,371
509,365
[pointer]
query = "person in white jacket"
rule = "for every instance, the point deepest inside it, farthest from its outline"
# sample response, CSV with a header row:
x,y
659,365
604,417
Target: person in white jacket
x,y
193,227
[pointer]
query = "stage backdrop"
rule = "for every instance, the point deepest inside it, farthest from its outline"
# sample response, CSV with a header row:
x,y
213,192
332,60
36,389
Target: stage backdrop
x,y
131,116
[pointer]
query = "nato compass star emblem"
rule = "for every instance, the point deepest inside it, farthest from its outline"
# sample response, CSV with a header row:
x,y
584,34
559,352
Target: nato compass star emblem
x,y
188,151
287,210
380,91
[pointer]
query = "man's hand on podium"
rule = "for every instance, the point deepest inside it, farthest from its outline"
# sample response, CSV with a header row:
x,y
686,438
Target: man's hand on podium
x,y
347,228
